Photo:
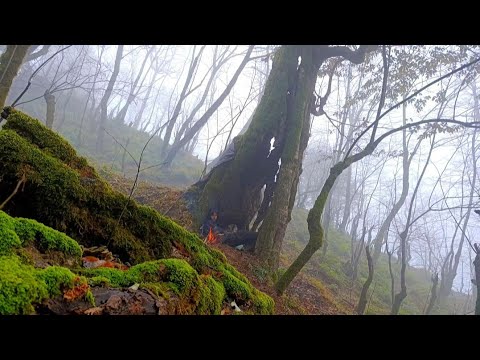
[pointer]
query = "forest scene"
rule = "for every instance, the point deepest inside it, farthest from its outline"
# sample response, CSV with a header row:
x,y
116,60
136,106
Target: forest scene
x,y
239,180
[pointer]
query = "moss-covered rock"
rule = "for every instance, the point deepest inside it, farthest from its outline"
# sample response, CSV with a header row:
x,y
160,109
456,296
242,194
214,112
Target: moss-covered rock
x,y
62,191
16,232
22,286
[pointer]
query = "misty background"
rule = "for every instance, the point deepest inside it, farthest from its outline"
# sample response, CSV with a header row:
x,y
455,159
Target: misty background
x,y
189,102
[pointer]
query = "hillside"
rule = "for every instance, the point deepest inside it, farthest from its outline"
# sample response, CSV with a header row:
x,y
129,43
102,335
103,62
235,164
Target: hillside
x,y
330,271
58,209
184,171
323,286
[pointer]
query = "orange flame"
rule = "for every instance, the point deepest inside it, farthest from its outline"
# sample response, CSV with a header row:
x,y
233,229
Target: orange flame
x,y
211,238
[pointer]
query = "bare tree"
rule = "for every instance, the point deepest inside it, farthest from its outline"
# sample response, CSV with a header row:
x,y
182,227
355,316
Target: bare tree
x,y
10,63
106,96
362,302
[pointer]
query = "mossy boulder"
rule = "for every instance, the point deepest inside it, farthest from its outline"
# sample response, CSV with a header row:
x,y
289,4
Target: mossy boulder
x,y
63,192
20,232
22,286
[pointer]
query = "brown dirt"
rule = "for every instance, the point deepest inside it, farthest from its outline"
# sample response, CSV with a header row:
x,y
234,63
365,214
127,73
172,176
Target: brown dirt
x,y
301,298
166,200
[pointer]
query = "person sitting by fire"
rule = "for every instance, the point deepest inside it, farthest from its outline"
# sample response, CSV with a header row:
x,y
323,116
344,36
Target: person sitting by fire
x,y
210,228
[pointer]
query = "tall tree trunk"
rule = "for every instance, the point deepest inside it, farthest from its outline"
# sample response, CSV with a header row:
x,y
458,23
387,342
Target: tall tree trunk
x,y
106,96
120,118
50,100
399,297
10,63
451,273
378,242
348,201
362,302
297,127
234,187
433,298
476,264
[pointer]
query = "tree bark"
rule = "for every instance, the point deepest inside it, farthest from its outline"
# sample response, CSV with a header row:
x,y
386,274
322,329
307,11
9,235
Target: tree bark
x,y
433,298
50,100
10,63
476,264
106,96
378,242
297,127
362,302
234,187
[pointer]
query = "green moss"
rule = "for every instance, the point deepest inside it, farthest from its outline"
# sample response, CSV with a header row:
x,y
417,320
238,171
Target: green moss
x,y
115,277
16,232
150,271
90,298
180,273
22,286
19,287
262,303
99,281
56,279
63,192
236,288
45,237
212,296
8,238
159,289
8,241
48,141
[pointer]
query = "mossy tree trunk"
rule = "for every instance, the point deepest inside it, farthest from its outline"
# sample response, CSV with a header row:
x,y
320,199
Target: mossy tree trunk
x,y
297,126
315,228
10,63
234,187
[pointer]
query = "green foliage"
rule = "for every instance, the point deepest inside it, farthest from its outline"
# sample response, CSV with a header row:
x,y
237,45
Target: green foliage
x,y
90,298
181,274
46,140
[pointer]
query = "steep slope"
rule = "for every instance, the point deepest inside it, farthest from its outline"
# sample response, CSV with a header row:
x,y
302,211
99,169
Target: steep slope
x,y
61,190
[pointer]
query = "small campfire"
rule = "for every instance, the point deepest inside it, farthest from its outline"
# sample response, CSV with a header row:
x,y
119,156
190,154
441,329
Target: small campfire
x,y
211,238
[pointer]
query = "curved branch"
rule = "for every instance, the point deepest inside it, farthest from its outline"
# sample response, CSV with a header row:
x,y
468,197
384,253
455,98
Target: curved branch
x,y
407,99
354,56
